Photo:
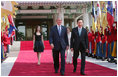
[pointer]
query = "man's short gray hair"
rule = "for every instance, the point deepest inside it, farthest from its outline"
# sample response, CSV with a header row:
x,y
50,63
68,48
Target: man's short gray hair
x,y
59,18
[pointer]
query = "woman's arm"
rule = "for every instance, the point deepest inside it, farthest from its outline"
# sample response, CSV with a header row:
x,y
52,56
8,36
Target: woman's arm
x,y
33,40
42,40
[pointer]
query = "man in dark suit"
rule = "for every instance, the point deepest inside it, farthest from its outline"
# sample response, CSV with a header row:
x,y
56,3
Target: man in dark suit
x,y
59,42
79,42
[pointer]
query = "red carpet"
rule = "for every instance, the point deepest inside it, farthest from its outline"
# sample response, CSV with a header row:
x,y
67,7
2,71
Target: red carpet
x,y
28,45
26,64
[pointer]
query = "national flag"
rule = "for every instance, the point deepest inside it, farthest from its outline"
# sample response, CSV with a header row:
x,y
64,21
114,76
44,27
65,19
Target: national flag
x,y
11,28
110,17
98,9
3,23
10,18
98,15
6,28
116,9
103,15
13,33
94,17
93,10
12,25
6,23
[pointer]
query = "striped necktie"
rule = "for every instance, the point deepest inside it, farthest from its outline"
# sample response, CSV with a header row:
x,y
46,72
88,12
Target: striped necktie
x,y
59,30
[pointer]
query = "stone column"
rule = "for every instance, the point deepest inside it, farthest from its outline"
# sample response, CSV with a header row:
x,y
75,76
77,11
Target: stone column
x,y
75,22
90,20
59,14
54,19
86,20
60,11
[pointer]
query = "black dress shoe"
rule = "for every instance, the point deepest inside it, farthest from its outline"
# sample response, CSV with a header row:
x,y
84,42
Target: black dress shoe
x,y
97,57
56,71
108,59
88,54
74,70
116,62
82,73
103,59
62,73
93,56
111,61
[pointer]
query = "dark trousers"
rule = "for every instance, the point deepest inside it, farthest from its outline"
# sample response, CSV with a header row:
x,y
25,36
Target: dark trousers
x,y
110,50
99,50
56,59
104,50
76,54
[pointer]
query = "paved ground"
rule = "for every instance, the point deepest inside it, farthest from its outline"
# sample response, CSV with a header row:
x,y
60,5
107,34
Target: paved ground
x,y
102,63
7,65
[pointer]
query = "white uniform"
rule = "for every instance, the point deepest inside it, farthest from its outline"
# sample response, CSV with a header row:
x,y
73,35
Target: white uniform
x,y
69,53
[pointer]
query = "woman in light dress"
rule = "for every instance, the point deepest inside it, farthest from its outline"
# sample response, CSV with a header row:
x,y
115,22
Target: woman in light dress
x,y
69,53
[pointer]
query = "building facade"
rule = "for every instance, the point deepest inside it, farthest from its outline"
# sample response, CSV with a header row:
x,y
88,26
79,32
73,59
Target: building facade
x,y
30,14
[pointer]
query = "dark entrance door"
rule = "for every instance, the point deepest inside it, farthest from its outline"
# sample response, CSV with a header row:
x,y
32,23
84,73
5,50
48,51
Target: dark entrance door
x,y
30,26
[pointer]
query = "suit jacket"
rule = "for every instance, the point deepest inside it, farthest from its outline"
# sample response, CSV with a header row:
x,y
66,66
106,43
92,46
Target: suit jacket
x,y
77,40
58,40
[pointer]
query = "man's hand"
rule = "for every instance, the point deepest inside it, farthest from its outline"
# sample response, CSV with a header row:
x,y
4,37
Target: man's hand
x,y
2,43
71,49
100,41
94,40
67,47
52,46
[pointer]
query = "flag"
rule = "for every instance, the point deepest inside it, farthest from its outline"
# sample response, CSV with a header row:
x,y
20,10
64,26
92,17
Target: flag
x,y
94,17
10,18
11,28
116,9
98,9
13,33
6,20
6,28
11,25
6,23
93,10
98,16
103,15
3,23
110,17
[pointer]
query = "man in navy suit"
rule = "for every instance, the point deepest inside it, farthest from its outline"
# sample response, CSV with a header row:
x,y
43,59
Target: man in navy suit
x,y
79,42
59,43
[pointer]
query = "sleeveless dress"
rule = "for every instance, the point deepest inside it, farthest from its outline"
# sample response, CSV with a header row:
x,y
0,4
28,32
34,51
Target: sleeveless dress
x,y
38,45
